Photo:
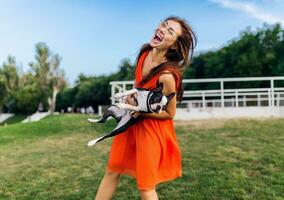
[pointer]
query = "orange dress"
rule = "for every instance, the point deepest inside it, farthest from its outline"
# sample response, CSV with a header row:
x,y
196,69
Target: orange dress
x,y
148,150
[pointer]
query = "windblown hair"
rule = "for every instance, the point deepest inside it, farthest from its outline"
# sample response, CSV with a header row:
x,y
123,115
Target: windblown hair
x,y
177,58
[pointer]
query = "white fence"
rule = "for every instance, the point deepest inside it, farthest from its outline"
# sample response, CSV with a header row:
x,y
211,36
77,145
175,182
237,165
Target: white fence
x,y
224,97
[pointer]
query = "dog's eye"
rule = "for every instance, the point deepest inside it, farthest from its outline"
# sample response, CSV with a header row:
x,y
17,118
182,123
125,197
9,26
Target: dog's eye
x,y
157,99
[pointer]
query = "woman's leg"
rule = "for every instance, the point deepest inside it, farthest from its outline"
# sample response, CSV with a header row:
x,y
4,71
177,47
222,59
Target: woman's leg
x,y
149,194
107,186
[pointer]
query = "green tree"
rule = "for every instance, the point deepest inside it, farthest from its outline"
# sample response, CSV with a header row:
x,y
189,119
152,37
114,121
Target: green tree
x,y
9,83
49,76
254,54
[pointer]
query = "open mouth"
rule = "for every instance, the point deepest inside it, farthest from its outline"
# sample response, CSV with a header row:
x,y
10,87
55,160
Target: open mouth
x,y
158,38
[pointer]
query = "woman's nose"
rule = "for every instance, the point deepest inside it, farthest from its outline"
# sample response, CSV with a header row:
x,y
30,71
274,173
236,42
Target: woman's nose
x,y
163,29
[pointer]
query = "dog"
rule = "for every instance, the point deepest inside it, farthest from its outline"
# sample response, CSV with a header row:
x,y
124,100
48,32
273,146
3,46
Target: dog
x,y
147,101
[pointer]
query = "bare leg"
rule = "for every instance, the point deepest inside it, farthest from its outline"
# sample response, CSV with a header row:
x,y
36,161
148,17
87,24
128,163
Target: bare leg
x,y
149,194
107,186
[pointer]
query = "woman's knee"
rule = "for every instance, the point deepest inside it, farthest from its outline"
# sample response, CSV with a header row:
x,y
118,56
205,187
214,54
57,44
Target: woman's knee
x,y
148,194
109,173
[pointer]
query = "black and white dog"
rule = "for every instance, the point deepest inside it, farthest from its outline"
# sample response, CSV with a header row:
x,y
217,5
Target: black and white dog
x,y
147,101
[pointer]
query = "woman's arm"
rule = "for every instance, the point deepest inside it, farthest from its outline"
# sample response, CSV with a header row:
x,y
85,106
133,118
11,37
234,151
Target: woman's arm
x,y
169,87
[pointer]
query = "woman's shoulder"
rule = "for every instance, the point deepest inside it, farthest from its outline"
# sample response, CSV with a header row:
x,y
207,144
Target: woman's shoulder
x,y
170,72
171,77
166,76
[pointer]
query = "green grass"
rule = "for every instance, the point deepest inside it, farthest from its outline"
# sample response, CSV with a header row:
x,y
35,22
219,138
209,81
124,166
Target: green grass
x,y
13,120
224,160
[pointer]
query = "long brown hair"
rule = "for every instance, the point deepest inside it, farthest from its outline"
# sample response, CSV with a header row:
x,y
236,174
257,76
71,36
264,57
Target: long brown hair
x,y
178,58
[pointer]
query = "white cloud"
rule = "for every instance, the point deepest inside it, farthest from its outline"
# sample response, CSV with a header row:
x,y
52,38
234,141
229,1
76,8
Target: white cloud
x,y
251,9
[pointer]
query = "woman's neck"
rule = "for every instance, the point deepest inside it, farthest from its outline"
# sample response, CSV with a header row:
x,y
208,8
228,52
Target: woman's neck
x,y
158,56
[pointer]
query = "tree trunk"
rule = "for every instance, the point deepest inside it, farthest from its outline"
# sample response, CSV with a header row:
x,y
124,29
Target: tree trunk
x,y
52,100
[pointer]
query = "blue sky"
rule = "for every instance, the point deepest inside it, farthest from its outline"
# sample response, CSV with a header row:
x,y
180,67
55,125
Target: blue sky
x,y
92,37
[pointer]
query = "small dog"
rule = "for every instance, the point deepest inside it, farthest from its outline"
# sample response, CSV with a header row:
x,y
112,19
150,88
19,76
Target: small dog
x,y
147,101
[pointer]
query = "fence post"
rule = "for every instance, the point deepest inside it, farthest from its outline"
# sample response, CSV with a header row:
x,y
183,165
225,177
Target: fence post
x,y
112,93
269,97
124,87
272,91
203,100
237,99
258,100
222,93
188,106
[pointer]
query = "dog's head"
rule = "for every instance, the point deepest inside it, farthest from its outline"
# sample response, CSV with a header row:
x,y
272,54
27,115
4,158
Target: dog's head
x,y
157,101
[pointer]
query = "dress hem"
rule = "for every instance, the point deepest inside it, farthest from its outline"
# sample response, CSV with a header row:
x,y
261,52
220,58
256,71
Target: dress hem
x,y
140,187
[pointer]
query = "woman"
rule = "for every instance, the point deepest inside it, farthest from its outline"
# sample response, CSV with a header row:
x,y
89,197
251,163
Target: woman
x,y
148,150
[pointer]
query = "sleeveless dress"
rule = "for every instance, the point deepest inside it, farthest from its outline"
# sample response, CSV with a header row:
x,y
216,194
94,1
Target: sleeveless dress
x,y
148,150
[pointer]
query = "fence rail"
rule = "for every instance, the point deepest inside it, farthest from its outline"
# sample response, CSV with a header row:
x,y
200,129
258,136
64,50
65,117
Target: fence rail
x,y
269,96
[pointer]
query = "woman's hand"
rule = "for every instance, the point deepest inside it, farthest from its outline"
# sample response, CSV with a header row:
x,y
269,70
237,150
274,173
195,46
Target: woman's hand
x,y
129,99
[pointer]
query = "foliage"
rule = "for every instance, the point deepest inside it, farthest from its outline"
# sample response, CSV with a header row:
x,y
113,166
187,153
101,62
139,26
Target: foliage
x,y
93,90
48,75
23,92
253,54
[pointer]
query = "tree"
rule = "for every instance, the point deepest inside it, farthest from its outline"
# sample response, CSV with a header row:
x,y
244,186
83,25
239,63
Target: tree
x,y
9,83
254,53
2,90
56,81
48,75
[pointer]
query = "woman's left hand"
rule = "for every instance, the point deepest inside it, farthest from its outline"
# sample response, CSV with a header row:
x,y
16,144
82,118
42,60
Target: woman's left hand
x,y
135,114
130,100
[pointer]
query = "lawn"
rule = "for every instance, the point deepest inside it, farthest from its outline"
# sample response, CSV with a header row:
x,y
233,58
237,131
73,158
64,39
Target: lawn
x,y
222,159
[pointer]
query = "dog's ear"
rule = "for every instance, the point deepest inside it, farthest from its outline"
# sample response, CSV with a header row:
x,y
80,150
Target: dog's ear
x,y
159,88
170,96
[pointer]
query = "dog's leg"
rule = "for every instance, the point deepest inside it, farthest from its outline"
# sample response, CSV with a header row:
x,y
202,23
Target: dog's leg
x,y
122,94
94,120
102,119
93,142
121,126
127,106
110,112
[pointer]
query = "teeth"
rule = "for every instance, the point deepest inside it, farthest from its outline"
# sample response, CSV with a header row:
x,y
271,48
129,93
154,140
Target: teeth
x,y
159,36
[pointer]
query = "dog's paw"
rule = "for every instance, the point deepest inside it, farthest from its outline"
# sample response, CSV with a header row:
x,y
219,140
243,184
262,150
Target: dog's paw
x,y
92,142
121,105
118,95
93,120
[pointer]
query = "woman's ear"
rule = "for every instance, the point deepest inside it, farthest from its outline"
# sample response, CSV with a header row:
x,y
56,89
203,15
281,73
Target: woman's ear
x,y
174,46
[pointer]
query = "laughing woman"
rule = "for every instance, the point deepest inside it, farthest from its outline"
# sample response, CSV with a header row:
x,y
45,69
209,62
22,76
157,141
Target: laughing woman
x,y
148,150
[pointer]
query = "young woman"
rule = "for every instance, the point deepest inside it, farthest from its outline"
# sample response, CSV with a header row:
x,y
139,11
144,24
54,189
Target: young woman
x,y
148,150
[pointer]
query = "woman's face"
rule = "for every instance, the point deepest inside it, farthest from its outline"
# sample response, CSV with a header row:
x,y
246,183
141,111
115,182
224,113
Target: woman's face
x,y
166,35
